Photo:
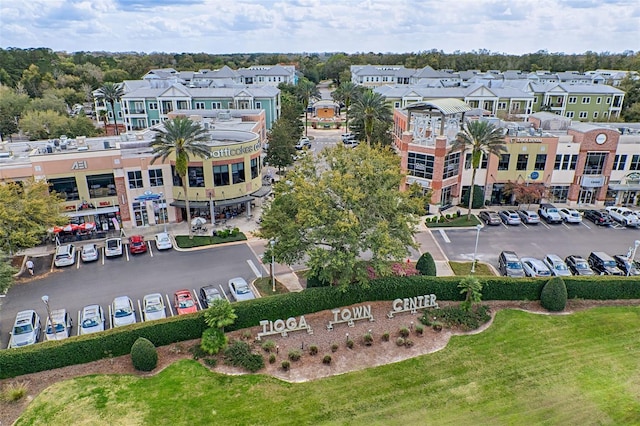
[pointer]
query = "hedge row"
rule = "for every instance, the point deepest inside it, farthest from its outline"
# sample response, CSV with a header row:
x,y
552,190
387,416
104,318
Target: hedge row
x,y
116,342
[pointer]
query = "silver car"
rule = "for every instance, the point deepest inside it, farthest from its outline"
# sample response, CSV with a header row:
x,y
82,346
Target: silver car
x,y
122,311
510,217
535,267
556,265
153,307
89,253
240,289
529,217
26,329
113,247
91,319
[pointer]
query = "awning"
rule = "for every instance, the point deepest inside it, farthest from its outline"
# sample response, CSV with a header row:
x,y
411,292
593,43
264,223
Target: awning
x,y
232,201
262,192
624,187
89,212
192,204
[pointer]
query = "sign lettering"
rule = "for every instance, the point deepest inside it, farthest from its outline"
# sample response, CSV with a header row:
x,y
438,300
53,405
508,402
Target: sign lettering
x,y
283,327
412,304
228,152
349,315
79,165
526,140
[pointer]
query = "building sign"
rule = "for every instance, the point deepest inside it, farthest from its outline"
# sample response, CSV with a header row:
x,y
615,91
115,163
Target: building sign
x,y
349,315
526,140
412,304
633,177
79,165
592,182
283,327
104,203
230,151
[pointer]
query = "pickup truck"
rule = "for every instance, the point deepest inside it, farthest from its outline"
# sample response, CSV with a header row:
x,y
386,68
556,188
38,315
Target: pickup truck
x,y
624,216
549,213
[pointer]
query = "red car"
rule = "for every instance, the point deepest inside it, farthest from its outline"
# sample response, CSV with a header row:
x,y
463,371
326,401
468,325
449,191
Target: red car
x,y
137,244
184,302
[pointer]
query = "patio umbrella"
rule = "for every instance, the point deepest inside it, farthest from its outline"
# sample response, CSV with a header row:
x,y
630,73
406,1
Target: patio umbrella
x,y
72,227
87,226
198,221
56,229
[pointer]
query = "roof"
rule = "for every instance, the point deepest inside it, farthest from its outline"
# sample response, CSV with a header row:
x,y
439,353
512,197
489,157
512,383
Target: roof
x,y
446,106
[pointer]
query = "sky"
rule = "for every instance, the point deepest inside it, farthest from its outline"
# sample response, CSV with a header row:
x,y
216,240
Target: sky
x,y
297,26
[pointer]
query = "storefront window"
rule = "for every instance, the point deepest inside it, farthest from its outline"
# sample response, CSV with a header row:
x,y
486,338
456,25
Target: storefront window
x,y
196,177
451,165
595,163
420,165
155,177
140,214
254,168
237,172
541,160
523,159
559,193
66,187
221,175
177,180
101,185
503,164
135,179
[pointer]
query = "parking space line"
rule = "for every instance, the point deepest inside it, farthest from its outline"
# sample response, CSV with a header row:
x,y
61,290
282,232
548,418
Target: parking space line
x,y
79,324
545,225
444,236
195,296
566,226
254,268
169,304
104,250
525,225
140,310
78,265
224,293
126,250
150,250
110,317
584,224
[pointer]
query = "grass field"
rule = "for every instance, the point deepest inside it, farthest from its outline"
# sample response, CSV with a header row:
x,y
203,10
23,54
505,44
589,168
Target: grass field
x,y
464,269
574,369
455,222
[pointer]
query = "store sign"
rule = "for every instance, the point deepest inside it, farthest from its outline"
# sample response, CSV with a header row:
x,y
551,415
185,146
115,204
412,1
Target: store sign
x,y
632,177
412,304
283,327
526,140
70,208
79,165
592,182
231,152
104,203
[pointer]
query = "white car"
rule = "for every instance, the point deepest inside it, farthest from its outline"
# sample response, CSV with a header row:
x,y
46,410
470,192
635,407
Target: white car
x,y
113,247
535,267
26,329
240,289
62,324
122,312
556,265
153,307
570,215
91,319
163,242
623,215
89,253
303,143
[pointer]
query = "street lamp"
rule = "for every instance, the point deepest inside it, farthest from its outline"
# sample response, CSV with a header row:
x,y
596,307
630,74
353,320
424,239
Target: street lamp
x,y
475,252
45,300
273,261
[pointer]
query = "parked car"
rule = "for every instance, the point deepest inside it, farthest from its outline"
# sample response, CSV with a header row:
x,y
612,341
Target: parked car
x,y
89,253
208,294
570,215
62,324
137,244
628,267
556,265
351,142
535,267
599,217
91,319
549,213
529,217
184,303
26,329
113,247
303,143
624,216
510,217
603,264
490,217
240,289
163,242
510,265
348,135
578,265
65,255
153,307
122,311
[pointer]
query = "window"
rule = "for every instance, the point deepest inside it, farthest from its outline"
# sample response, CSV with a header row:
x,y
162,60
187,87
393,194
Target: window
x,y
586,100
608,101
565,162
535,99
153,106
183,105
541,160
635,163
451,165
177,180
154,121
598,100
583,114
502,105
595,163
216,105
503,164
237,172
595,114
559,193
67,188
467,161
135,179
570,114
523,159
221,175
420,165
619,161
573,161
254,168
258,105
155,177
196,177
199,105
396,105
101,185
573,99
167,106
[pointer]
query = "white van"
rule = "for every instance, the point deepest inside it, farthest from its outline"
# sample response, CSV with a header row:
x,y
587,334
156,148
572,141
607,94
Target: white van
x,y
65,255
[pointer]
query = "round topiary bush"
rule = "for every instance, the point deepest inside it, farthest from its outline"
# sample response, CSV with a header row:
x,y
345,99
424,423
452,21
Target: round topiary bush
x,y
144,355
554,295
426,265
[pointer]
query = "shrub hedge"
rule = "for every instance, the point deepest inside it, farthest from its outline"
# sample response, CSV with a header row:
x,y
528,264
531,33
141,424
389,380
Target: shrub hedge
x,y
554,295
116,342
144,355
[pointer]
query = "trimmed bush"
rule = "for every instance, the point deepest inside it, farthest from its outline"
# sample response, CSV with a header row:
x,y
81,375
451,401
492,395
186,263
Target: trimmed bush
x,y
294,355
313,350
419,330
334,347
286,365
426,265
144,355
367,339
269,346
403,332
350,343
385,336
272,358
213,340
554,295
326,359
400,341
478,198
408,343
239,354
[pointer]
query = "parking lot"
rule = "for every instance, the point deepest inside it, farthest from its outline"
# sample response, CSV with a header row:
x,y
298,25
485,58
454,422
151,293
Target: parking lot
x,y
535,240
135,276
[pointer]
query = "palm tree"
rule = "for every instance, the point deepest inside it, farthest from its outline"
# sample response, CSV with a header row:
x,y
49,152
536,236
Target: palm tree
x,y
481,138
346,93
111,93
183,138
305,90
372,108
103,115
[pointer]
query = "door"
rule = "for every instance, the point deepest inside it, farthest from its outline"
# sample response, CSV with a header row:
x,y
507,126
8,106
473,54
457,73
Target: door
x,y
586,196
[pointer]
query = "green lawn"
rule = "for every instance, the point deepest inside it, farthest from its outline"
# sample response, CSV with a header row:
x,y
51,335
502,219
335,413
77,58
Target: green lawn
x,y
574,369
183,241
455,222
464,269
265,287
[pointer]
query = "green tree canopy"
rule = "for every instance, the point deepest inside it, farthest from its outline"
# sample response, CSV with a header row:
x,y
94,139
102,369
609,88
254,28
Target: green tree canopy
x,y
219,314
282,140
111,94
374,113
334,212
6,273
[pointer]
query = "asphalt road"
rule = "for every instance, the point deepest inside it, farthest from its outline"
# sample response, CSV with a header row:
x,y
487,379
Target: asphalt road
x,y
99,282
535,241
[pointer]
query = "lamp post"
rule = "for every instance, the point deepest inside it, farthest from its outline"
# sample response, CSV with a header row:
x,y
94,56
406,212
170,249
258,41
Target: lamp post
x,y
163,208
273,261
475,251
635,248
45,300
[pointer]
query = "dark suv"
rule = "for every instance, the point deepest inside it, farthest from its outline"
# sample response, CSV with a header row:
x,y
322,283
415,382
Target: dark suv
x,y
603,264
510,265
599,217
